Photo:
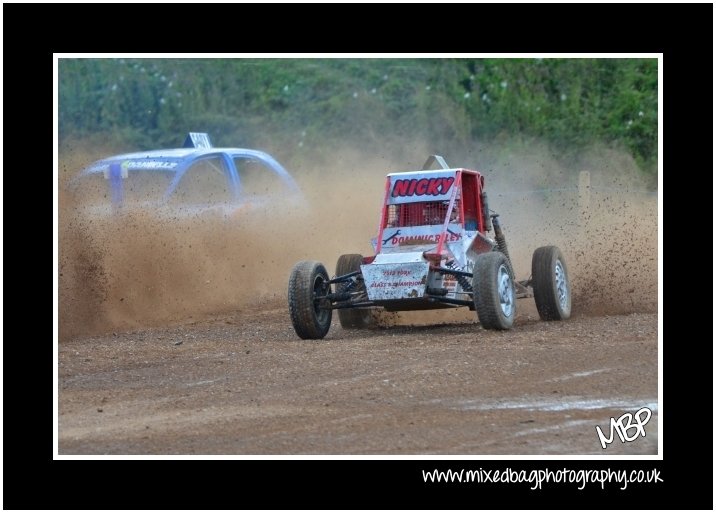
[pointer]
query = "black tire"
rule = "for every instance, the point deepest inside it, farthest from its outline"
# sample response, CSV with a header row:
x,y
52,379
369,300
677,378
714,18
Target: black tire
x,y
494,291
308,280
354,318
550,283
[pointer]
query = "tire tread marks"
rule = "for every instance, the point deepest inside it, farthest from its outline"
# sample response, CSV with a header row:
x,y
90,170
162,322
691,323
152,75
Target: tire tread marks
x,y
351,318
300,300
544,260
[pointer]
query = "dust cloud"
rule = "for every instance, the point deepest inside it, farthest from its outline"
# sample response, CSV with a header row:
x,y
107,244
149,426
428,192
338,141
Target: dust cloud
x,y
608,233
138,269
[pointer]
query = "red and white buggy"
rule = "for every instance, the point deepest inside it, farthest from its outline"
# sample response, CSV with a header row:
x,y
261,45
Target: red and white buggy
x,y
433,250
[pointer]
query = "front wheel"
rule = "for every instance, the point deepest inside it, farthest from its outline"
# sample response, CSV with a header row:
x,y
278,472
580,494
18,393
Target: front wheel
x,y
550,282
494,291
352,318
309,281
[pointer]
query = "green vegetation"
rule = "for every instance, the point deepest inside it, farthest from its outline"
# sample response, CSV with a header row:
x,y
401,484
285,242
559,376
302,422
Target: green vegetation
x,y
567,103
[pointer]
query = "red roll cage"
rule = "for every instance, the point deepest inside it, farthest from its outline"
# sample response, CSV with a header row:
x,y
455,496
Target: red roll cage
x,y
437,197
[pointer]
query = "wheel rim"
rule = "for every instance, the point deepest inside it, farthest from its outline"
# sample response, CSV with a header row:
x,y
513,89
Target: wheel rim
x,y
560,278
506,291
319,289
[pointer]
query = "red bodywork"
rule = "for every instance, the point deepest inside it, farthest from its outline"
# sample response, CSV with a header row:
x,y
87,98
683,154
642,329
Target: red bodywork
x,y
466,201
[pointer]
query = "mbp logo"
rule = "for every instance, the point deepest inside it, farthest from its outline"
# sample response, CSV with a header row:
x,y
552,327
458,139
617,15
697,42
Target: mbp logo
x,y
623,424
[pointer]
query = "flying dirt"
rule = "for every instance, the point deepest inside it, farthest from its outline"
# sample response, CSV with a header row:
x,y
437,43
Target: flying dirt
x,y
137,270
161,320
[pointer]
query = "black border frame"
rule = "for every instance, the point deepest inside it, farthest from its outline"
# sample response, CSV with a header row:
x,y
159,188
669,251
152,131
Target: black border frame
x,y
33,480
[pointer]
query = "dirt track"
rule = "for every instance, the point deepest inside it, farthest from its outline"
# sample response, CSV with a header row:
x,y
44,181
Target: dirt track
x,y
245,384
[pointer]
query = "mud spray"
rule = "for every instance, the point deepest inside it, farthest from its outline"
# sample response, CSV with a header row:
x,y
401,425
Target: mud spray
x,y
136,270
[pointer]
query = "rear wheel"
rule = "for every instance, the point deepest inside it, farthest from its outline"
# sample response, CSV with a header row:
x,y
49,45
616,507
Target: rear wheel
x,y
352,318
494,291
550,282
308,281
